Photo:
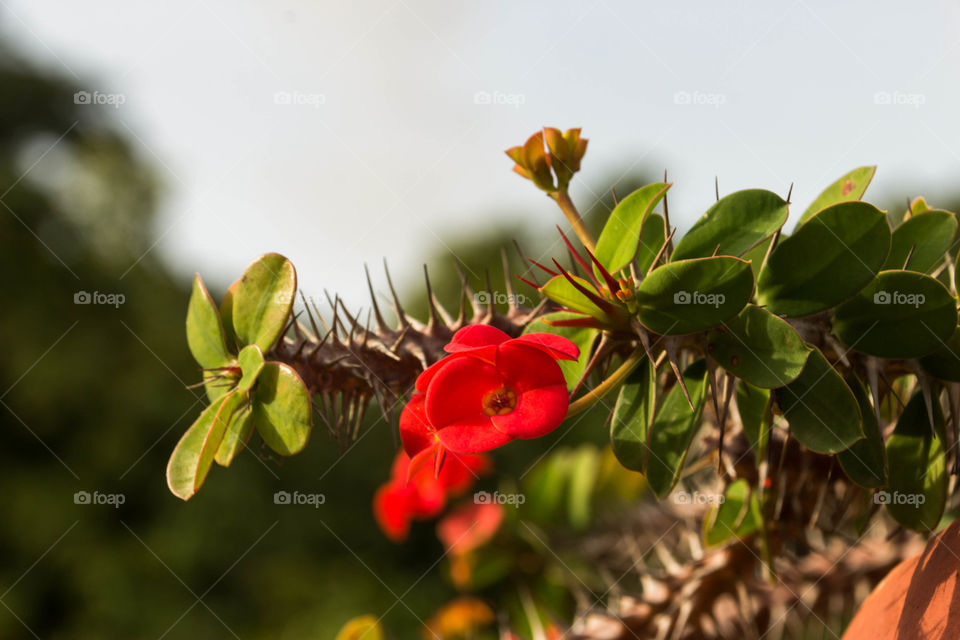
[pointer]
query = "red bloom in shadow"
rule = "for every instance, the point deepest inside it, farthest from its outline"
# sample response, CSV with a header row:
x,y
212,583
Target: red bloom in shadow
x,y
421,493
490,390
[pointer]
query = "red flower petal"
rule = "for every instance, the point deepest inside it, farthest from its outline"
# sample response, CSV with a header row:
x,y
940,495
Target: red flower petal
x,y
423,380
538,412
467,437
416,434
555,346
460,471
390,508
469,526
475,335
523,367
456,393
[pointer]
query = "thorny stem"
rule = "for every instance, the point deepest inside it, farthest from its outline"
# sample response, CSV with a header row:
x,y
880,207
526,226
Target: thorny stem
x,y
593,396
569,209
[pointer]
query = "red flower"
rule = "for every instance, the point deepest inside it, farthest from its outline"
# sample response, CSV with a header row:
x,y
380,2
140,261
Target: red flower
x,y
421,493
470,526
490,390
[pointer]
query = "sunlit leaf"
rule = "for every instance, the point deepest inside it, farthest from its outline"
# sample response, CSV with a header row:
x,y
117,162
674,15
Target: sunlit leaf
x,y
263,299
849,187
282,409
620,237
733,225
205,335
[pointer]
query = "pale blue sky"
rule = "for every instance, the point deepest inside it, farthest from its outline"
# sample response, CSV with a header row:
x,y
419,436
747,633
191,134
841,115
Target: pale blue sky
x,y
388,150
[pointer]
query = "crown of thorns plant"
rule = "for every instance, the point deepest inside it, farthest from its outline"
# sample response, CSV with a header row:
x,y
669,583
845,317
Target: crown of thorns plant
x,y
820,367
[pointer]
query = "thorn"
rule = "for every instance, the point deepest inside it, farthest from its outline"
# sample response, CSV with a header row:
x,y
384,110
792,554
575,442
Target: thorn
x,y
573,252
600,303
666,220
467,291
714,392
526,271
927,389
381,324
313,322
672,357
716,186
550,271
789,193
656,258
401,316
953,394
431,301
909,255
872,363
613,192
591,364
491,307
507,280
612,285
770,247
891,390
532,284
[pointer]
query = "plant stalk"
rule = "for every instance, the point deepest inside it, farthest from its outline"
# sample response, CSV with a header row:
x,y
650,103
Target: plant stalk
x,y
569,209
590,398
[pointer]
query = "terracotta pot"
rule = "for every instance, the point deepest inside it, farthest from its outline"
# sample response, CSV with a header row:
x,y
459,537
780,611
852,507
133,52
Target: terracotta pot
x,y
919,599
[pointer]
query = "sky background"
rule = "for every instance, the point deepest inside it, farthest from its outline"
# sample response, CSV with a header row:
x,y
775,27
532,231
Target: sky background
x,y
339,133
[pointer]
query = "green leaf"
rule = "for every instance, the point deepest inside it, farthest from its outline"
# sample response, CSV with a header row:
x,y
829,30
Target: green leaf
x,y
847,188
735,224
545,487
758,347
900,314
282,411
917,493
822,411
652,238
620,237
944,362
583,337
205,335
218,383
673,429
194,453
584,468
226,314
238,433
361,628
632,415
753,405
251,364
561,291
732,518
928,235
827,260
865,462
262,301
693,295
756,255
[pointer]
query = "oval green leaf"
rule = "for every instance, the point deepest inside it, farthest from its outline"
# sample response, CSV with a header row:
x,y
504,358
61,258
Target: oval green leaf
x,y
652,238
262,301
251,364
928,235
238,433
900,314
282,411
632,415
758,347
849,187
917,492
694,295
822,411
827,260
620,237
865,462
673,429
205,334
583,337
735,517
191,459
733,225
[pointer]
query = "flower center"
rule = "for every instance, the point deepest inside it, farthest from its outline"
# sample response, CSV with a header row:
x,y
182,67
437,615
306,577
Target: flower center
x,y
499,402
